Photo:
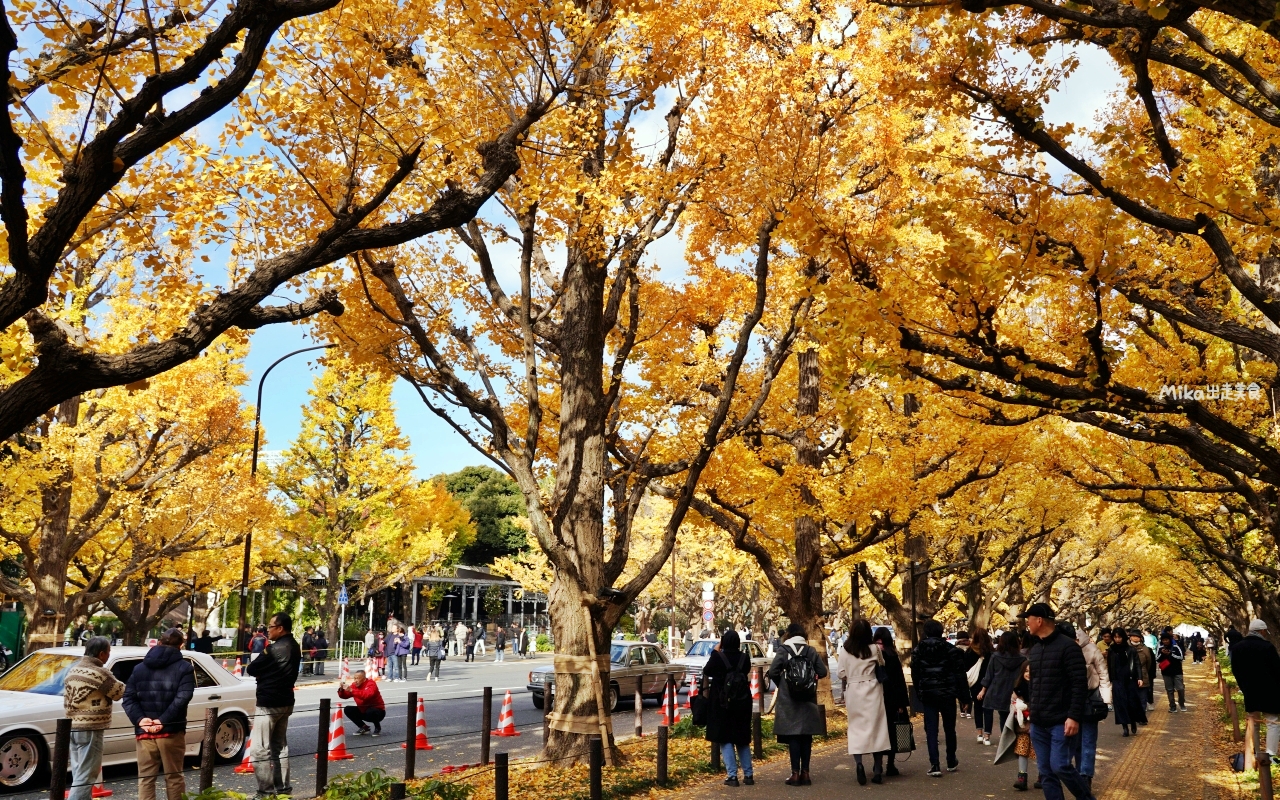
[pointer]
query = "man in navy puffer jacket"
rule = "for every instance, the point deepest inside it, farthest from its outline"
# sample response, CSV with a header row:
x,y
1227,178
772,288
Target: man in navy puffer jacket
x,y
156,699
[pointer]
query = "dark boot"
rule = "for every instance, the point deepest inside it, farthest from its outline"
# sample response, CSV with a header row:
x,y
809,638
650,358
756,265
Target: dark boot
x,y
1021,783
794,780
862,775
804,778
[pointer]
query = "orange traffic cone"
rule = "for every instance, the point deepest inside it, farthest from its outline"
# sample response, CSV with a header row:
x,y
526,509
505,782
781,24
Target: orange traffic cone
x,y
420,740
344,673
239,670
675,707
664,716
246,765
338,737
224,665
506,719
99,790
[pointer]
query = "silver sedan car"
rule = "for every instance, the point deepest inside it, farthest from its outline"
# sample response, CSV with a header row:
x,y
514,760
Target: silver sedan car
x,y
627,662
31,696
695,660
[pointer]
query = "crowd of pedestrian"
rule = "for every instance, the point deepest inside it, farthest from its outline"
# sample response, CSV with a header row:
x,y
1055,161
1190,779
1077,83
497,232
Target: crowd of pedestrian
x,y
1039,694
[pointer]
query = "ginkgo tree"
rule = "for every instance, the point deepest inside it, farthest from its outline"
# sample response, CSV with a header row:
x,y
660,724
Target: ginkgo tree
x,y
170,135
547,333
353,508
119,482
1119,273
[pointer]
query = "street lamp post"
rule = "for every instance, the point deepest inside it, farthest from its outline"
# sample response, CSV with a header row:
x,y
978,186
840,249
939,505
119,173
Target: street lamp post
x,y
253,473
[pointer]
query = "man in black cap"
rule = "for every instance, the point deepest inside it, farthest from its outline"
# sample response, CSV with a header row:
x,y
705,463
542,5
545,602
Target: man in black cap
x,y
1059,688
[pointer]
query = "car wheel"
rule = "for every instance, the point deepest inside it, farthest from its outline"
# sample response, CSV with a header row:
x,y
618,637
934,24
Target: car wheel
x,y
613,697
538,702
229,738
21,759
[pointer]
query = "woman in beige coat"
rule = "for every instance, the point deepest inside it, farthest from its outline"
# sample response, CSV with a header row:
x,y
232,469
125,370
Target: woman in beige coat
x,y
856,664
1099,678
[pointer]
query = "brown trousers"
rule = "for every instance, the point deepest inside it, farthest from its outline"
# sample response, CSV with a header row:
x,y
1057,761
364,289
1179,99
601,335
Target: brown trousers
x,y
157,756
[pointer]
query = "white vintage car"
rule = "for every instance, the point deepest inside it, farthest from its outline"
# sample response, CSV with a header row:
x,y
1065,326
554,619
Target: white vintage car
x,y
31,700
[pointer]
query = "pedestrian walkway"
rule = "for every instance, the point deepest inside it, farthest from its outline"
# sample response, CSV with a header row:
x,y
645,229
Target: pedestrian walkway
x,y
1163,762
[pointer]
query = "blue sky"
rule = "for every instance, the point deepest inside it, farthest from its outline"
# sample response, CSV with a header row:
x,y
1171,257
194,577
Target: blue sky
x,y
434,445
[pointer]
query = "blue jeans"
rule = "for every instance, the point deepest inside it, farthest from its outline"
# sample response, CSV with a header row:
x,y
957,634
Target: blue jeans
x,y
86,760
392,664
1053,759
947,710
1085,749
730,764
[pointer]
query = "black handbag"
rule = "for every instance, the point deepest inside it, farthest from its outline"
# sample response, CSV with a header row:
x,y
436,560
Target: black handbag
x,y
699,706
904,736
1095,708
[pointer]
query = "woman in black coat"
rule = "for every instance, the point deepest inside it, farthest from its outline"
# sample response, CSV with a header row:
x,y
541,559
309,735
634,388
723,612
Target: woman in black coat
x,y
1127,679
896,699
729,705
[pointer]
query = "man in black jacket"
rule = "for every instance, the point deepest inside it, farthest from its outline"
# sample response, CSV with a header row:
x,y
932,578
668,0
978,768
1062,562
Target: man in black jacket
x,y
276,671
1255,664
937,671
156,699
1059,688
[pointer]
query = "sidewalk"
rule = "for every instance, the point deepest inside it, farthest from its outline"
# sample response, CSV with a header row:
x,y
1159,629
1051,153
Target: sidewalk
x,y
1165,761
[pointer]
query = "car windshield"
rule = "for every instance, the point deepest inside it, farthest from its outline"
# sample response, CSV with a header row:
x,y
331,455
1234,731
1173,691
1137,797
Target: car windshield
x,y
702,647
42,673
617,653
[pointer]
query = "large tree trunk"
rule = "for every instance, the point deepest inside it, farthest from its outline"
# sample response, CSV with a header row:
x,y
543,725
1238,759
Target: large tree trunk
x,y
806,605
579,496
48,609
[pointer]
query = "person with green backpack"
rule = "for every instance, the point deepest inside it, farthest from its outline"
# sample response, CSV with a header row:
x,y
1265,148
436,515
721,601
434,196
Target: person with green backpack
x,y
796,670
727,683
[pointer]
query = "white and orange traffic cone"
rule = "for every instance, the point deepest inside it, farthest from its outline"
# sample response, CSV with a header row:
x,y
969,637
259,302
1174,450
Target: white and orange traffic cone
x,y
420,739
506,719
755,689
685,702
99,787
664,716
224,665
245,766
239,670
338,737
99,790
344,674
675,706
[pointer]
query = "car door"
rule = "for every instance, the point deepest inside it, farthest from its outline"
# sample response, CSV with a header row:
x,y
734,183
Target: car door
x,y
119,738
655,668
633,667
207,695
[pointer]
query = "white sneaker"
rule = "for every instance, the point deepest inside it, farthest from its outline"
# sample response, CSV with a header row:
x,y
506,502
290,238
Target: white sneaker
x,y
979,738
986,740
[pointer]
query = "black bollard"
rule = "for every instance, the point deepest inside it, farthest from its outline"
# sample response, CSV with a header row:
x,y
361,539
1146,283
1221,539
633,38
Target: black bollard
x,y
411,736
597,768
61,757
486,711
500,776
207,748
662,755
322,749
397,791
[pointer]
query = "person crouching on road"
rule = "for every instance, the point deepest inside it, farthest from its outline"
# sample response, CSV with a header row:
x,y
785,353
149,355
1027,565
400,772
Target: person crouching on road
x,y
368,707
87,693
156,700
1059,689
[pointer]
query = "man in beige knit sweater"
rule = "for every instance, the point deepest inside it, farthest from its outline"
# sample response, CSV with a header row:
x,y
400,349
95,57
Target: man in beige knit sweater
x,y
87,697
